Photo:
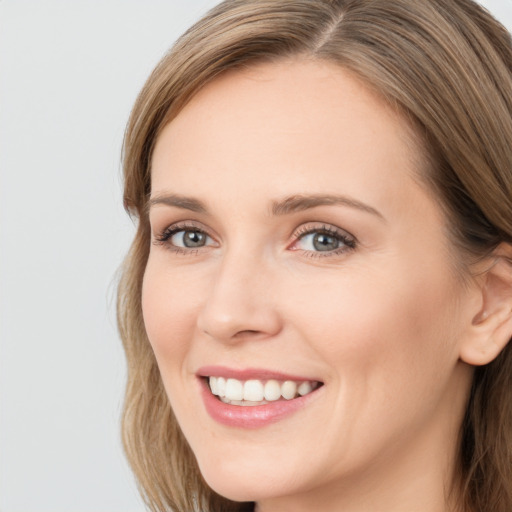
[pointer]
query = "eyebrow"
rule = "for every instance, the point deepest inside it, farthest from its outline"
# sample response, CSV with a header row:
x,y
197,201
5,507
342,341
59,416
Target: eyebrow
x,y
290,204
183,202
298,203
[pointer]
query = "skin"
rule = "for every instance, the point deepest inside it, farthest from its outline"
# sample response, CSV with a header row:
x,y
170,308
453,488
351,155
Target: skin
x,y
381,324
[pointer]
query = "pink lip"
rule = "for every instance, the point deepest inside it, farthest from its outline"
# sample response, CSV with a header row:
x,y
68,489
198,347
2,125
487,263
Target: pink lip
x,y
250,417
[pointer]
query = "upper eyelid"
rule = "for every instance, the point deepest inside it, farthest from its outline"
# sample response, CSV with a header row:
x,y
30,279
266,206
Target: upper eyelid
x,y
298,232
307,228
164,237
349,241
183,226
304,228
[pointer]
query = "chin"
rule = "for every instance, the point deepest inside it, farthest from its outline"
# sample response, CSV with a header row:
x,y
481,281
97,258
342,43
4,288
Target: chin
x,y
242,480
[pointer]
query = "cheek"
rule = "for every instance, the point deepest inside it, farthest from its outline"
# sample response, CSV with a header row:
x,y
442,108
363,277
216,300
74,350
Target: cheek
x,y
388,340
170,305
396,321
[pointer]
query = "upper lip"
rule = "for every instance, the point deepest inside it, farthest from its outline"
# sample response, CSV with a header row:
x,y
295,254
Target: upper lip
x,y
250,373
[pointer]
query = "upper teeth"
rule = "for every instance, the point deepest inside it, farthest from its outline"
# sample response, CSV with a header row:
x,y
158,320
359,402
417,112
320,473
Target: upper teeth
x,y
257,390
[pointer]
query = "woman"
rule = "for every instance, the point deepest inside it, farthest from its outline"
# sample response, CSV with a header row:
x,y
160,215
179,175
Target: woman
x,y
317,305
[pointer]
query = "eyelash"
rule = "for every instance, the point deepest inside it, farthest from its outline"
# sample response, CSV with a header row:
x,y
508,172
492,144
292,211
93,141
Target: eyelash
x,y
165,236
348,242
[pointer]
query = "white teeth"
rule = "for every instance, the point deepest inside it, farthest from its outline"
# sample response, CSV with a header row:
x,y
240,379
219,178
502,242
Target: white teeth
x,y
257,392
221,386
272,391
234,390
253,391
289,389
305,388
213,386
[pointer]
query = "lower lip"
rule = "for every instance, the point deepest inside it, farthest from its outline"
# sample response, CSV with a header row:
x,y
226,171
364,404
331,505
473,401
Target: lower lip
x,y
250,417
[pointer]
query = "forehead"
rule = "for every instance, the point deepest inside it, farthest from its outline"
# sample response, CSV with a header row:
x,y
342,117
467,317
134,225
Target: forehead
x,y
289,120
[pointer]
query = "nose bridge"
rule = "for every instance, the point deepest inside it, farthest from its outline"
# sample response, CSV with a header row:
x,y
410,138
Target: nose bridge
x,y
239,303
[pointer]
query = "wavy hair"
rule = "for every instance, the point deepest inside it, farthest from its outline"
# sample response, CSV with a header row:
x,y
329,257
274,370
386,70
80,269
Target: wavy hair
x,y
443,64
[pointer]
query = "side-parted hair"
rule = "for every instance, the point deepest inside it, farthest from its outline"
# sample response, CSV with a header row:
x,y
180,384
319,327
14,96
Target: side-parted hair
x,y
446,67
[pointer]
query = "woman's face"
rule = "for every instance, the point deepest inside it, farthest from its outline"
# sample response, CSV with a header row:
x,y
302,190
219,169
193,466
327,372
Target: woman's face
x,y
294,251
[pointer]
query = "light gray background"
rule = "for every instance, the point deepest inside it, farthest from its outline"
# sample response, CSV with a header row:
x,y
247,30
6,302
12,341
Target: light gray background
x,y
69,73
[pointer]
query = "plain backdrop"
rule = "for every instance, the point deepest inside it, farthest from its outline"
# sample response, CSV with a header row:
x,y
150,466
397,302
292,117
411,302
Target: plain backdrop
x,y
69,73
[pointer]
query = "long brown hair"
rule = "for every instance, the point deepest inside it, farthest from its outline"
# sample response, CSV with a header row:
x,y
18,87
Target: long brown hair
x,y
443,64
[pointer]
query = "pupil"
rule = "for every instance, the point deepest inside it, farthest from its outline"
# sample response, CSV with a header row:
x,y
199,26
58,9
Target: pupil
x,y
323,242
193,239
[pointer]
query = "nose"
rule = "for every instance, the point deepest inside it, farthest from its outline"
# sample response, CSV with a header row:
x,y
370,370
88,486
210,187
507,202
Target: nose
x,y
240,304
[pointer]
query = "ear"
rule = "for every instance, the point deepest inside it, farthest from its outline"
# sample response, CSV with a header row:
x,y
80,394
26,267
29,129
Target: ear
x,y
491,328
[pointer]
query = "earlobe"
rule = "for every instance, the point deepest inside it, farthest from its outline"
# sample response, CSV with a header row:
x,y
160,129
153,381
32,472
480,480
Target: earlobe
x,y
491,328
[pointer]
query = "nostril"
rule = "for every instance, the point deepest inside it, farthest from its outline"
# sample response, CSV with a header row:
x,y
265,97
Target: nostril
x,y
247,333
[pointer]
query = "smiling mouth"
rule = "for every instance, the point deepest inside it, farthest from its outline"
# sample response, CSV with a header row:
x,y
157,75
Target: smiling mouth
x,y
256,392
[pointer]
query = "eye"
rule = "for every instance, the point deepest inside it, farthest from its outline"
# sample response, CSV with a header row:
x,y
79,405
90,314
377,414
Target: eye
x,y
182,238
191,239
319,242
324,239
